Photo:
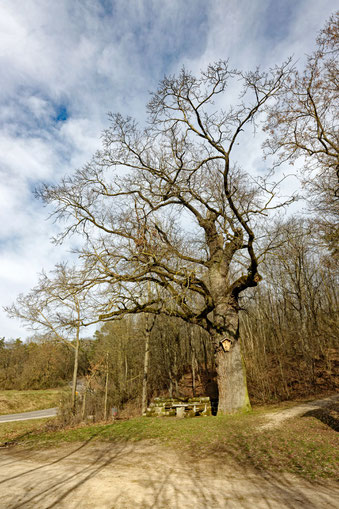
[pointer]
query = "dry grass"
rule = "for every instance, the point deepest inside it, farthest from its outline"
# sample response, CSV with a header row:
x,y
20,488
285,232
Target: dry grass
x,y
13,401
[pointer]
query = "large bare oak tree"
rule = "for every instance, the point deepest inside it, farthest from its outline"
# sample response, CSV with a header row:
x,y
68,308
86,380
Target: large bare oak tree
x,y
169,205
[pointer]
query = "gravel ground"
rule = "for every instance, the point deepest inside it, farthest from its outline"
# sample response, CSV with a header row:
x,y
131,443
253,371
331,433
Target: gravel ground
x,y
145,475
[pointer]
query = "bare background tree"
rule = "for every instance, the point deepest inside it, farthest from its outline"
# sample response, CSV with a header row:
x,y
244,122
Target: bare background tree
x,y
303,122
290,328
56,308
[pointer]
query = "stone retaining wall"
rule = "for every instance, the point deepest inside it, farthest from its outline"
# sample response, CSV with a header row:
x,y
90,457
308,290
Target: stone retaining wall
x,y
179,407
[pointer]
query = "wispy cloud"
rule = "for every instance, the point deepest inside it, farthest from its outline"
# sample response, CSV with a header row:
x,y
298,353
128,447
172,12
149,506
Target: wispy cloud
x,y
65,64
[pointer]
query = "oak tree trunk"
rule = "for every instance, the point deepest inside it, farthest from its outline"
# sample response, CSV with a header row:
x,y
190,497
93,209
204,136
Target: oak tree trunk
x,y
75,372
231,374
231,378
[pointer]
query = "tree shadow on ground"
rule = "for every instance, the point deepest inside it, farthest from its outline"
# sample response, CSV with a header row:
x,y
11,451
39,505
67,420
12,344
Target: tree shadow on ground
x,y
53,489
122,475
329,415
16,440
224,486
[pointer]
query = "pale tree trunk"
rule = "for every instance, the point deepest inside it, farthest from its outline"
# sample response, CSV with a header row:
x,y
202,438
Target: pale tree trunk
x,y
170,388
232,385
83,410
193,360
145,376
174,374
106,389
150,320
205,352
75,370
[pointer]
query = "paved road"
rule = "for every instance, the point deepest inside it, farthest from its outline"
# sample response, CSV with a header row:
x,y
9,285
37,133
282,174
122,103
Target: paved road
x,y
26,416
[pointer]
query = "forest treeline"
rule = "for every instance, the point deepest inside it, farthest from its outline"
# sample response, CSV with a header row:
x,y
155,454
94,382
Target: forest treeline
x,y
289,328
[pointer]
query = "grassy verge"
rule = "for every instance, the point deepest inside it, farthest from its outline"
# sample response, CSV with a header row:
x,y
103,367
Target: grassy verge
x,y
26,401
305,446
21,431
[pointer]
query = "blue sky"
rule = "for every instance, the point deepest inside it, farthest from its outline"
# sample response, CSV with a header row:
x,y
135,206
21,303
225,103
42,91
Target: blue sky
x,y
64,64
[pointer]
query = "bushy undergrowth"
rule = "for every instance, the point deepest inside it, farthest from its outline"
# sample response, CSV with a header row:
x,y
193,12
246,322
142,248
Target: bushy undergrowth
x,y
89,407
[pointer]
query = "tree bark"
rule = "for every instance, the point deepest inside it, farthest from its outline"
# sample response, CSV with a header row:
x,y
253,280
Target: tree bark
x,y
170,388
146,367
149,324
193,361
75,371
106,389
224,330
232,385
231,373
83,410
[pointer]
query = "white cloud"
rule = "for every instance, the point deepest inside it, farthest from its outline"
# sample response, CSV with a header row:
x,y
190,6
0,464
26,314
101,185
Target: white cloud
x,y
64,64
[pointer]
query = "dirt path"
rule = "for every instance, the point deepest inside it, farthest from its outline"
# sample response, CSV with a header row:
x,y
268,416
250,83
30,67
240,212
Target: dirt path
x,y
278,417
145,475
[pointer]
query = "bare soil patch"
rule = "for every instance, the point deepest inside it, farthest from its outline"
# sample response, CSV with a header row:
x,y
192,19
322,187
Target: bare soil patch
x,y
146,475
